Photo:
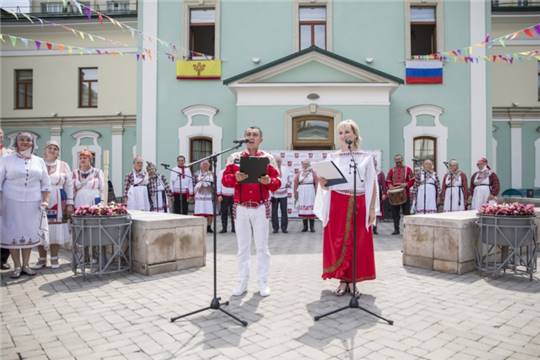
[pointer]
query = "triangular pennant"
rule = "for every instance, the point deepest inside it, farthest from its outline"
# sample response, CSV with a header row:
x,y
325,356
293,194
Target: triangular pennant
x,y
90,37
70,50
24,41
528,32
501,41
87,12
537,29
132,33
100,18
13,40
514,35
487,39
2,38
79,8
81,34
49,45
138,57
38,44
60,47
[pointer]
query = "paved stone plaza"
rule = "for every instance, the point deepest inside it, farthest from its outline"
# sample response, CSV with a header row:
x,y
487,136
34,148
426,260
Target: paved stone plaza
x,y
437,316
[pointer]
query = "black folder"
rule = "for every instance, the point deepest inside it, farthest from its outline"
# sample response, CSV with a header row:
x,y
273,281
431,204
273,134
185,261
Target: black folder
x,y
254,167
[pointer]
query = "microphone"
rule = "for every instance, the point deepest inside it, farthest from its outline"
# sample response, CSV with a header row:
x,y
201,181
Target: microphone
x,y
445,163
348,142
241,141
415,160
165,165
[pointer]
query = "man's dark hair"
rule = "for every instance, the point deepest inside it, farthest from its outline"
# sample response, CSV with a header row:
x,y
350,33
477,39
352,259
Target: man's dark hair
x,y
256,128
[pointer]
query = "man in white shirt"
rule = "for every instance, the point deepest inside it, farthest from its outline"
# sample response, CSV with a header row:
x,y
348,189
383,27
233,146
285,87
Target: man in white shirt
x,y
181,186
279,199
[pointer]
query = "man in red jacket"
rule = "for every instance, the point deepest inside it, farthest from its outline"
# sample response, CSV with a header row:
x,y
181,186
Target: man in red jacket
x,y
252,210
400,176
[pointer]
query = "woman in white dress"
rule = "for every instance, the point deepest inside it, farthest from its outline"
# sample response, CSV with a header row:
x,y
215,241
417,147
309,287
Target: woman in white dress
x,y
60,205
24,186
426,188
485,185
203,194
158,190
454,190
136,187
88,182
305,182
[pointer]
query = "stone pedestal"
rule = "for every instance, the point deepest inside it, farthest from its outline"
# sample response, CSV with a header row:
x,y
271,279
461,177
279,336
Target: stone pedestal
x,y
167,242
444,242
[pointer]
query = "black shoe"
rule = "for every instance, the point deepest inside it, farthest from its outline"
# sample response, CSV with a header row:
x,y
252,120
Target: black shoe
x,y
209,229
5,266
284,231
223,231
375,231
275,231
304,230
233,230
396,232
312,230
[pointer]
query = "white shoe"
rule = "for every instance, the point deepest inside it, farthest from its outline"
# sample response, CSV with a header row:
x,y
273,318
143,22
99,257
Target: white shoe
x,y
264,290
40,264
55,264
240,289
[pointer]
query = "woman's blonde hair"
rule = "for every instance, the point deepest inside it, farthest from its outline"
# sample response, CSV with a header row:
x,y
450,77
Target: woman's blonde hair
x,y
355,129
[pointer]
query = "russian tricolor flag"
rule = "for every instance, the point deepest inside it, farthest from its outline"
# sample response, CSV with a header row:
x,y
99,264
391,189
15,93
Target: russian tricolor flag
x,y
423,72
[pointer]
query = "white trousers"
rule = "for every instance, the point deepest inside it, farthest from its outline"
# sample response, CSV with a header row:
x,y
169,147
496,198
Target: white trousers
x,y
252,221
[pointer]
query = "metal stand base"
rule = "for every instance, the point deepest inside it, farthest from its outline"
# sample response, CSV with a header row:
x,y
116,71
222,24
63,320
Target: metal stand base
x,y
353,304
214,305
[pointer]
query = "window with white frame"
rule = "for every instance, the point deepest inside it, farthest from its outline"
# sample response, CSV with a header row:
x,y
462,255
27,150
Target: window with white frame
x,y
312,26
202,33
423,30
52,7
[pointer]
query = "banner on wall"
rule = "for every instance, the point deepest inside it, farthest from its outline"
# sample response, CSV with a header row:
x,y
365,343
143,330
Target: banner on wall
x,y
292,159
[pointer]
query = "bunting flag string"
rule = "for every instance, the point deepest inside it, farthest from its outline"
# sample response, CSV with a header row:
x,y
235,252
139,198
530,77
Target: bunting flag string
x,y
49,45
77,33
488,42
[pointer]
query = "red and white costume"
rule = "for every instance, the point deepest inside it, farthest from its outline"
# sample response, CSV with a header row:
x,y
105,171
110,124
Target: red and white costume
x,y
204,205
305,183
251,213
88,186
61,195
454,191
334,207
483,184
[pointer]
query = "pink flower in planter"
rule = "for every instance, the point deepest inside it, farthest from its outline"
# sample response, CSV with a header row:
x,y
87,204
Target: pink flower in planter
x,y
505,209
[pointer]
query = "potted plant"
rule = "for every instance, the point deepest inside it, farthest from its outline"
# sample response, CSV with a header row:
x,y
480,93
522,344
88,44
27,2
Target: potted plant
x,y
101,230
508,229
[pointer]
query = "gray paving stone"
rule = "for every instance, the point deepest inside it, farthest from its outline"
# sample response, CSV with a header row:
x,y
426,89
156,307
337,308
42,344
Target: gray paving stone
x,y
437,316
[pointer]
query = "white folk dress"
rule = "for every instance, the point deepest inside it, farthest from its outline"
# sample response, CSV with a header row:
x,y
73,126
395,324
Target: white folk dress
x,y
306,194
22,180
61,195
203,194
427,190
137,191
454,199
481,191
88,186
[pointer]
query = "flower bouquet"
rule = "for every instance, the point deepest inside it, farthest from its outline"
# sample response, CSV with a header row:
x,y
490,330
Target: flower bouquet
x,y
506,209
102,209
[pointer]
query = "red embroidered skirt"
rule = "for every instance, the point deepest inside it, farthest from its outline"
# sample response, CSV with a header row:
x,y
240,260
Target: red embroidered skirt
x,y
338,240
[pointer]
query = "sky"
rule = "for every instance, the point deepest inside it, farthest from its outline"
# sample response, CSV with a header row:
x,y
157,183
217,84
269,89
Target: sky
x,y
24,5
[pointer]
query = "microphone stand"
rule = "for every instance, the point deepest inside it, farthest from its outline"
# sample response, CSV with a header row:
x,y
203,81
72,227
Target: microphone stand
x,y
215,303
167,167
425,189
353,302
451,186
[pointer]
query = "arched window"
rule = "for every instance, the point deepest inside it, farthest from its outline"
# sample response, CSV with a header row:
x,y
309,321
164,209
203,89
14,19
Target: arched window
x,y
313,132
425,147
199,147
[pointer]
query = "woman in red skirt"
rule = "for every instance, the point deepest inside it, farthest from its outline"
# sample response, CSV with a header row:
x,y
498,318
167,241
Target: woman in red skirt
x,y
334,206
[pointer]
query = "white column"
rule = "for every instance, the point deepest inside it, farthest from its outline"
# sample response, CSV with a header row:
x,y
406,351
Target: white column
x,y
477,24
149,83
116,161
516,150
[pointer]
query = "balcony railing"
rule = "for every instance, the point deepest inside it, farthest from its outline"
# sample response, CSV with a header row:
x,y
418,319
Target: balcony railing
x,y
57,9
515,5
